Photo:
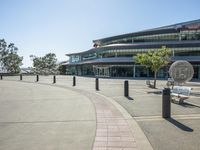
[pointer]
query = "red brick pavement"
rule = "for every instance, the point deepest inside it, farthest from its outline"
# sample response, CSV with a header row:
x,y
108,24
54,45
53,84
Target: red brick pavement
x,y
113,132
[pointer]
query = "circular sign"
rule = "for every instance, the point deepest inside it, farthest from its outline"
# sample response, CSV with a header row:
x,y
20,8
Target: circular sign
x,y
181,71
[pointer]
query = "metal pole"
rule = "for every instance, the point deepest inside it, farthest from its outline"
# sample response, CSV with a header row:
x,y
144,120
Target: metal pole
x,y
97,84
37,78
1,77
126,88
54,79
20,76
166,104
74,81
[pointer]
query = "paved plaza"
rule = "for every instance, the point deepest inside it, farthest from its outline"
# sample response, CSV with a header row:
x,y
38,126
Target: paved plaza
x,y
61,116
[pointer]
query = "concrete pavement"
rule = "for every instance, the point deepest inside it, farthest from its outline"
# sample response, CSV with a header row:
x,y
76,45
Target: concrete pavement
x,y
116,129
39,117
180,132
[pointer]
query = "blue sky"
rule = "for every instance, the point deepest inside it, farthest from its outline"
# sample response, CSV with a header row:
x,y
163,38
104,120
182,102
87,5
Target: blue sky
x,y
65,26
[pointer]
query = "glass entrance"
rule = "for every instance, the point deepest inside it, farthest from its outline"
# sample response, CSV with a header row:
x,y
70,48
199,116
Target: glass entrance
x,y
196,72
102,71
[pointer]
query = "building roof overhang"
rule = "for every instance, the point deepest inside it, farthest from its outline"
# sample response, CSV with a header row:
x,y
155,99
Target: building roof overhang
x,y
165,29
147,45
130,60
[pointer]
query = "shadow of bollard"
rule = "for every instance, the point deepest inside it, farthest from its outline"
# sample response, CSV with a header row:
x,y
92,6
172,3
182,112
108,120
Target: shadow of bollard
x,y
179,125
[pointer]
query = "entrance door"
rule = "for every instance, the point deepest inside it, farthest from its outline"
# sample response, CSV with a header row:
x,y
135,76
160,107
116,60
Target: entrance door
x,y
102,71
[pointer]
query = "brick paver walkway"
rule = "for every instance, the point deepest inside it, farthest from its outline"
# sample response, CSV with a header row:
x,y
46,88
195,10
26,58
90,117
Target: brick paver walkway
x,y
113,132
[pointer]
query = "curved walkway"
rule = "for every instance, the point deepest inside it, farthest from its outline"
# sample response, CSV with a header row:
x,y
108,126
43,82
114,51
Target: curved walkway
x,y
115,128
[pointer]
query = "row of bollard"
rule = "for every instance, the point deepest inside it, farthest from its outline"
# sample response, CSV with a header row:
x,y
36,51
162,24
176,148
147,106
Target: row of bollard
x,y
166,103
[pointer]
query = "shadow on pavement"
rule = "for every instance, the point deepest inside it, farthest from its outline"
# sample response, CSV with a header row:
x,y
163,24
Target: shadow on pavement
x,y
179,125
186,104
154,92
129,98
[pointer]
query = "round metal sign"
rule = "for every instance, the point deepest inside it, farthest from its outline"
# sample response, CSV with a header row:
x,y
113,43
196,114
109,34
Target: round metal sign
x,y
181,71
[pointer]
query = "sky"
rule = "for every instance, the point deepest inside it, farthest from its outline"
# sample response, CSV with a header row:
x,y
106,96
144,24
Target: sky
x,y
38,27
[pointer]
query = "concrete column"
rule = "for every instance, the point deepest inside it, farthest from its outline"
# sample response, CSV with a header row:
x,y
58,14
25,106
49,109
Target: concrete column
x,y
134,71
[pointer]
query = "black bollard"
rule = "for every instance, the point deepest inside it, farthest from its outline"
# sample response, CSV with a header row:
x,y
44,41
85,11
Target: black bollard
x,y
37,78
54,79
1,77
166,104
97,83
20,76
126,88
74,81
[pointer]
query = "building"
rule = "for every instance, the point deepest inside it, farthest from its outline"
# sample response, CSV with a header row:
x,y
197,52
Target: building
x,y
114,56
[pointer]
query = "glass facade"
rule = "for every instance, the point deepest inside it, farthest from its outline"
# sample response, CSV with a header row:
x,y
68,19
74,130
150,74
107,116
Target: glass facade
x,y
114,56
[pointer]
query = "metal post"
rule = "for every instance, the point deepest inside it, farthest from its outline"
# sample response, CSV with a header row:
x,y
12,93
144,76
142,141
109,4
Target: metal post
x,y
97,83
166,104
37,78
126,88
1,77
54,79
20,76
74,81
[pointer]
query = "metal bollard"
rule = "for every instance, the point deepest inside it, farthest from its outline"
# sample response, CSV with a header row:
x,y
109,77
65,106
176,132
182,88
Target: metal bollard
x,y
126,88
20,76
74,81
54,79
37,78
1,77
166,104
97,84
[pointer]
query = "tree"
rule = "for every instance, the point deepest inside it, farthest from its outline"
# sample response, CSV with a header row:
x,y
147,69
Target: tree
x,y
9,58
3,49
154,60
45,65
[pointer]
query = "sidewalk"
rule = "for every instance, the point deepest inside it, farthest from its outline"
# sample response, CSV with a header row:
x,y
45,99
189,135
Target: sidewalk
x,y
144,107
115,128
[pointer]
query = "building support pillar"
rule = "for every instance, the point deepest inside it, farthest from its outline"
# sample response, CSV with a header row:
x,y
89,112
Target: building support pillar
x,y
133,71
148,72
199,73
